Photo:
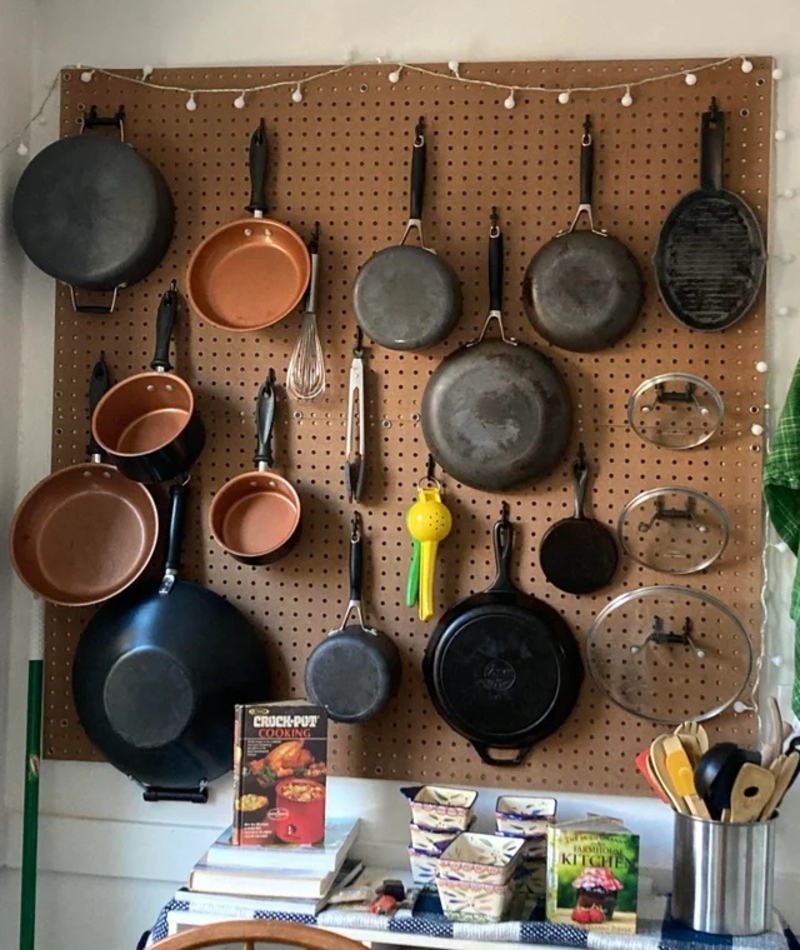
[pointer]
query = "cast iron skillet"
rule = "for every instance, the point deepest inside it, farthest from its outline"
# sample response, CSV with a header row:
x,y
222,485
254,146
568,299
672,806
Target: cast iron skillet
x,y
496,413
502,667
710,256
155,679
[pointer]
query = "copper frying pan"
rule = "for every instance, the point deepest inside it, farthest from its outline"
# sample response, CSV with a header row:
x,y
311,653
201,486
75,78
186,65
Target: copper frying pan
x,y
250,273
85,533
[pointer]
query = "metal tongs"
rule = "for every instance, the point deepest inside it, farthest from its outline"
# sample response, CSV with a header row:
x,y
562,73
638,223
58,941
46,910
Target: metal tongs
x,y
354,460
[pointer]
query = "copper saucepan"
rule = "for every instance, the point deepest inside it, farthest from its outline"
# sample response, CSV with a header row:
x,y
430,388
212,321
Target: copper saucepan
x,y
250,273
85,533
255,517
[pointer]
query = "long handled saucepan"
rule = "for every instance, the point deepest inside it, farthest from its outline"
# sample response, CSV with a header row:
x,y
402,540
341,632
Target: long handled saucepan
x,y
147,423
710,257
156,678
405,297
85,533
255,517
250,273
502,667
583,290
496,413
355,670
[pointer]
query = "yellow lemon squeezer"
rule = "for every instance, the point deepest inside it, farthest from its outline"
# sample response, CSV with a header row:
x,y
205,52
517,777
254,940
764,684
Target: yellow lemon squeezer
x,y
429,521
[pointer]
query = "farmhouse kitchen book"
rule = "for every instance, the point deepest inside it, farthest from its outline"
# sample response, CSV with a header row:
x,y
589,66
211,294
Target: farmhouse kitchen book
x,y
279,773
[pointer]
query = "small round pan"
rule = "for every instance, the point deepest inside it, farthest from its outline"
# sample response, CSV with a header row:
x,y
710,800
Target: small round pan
x,y
255,517
407,298
583,290
250,273
85,533
579,555
355,670
147,423
710,257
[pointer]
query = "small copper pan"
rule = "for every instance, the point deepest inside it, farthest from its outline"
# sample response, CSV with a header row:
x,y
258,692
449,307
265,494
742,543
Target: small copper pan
x,y
248,274
85,533
255,517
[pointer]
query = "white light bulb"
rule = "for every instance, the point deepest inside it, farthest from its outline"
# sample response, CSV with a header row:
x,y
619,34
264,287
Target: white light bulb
x,y
787,258
627,99
762,366
777,74
238,102
87,75
394,75
691,79
776,660
781,547
780,135
787,193
757,429
453,66
191,105
146,72
747,66
510,101
563,98
783,311
297,95
740,707
22,149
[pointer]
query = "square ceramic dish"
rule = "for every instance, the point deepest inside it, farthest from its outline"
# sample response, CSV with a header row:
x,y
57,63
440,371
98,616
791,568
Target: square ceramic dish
x,y
524,817
489,859
474,901
423,866
433,842
440,807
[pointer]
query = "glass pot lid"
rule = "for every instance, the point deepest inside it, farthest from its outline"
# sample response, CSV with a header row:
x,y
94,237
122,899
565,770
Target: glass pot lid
x,y
673,530
675,410
669,654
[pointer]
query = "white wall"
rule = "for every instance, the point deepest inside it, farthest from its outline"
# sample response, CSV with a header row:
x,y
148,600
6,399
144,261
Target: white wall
x,y
93,819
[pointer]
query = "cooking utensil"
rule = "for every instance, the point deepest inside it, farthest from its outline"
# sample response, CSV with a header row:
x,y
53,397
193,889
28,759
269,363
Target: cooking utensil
x,y
679,766
92,212
249,273
583,289
496,413
579,555
716,772
673,530
305,377
697,807
710,258
657,763
690,741
643,764
675,410
502,668
429,522
407,298
84,533
255,516
751,792
147,423
784,776
669,654
772,742
355,670
156,677
355,462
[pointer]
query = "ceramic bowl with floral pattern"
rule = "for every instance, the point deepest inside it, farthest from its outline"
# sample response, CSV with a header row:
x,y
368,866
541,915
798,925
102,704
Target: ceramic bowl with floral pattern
x,y
475,901
433,842
488,859
524,817
440,807
423,866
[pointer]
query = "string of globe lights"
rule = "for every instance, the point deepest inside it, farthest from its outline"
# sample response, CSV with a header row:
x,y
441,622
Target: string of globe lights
x,y
296,87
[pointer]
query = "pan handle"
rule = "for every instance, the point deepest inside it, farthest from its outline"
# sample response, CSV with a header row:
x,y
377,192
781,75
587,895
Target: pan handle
x,y
197,796
586,179
258,172
712,144
99,384
165,324
580,476
177,521
418,167
489,759
495,268
265,421
356,572
503,546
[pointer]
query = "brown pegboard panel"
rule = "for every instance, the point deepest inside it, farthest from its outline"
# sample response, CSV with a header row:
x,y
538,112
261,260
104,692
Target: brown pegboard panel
x,y
341,157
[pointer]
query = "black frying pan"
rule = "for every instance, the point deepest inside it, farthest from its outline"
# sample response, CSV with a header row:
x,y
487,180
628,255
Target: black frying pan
x,y
710,256
407,298
155,679
355,670
579,555
583,290
502,667
496,413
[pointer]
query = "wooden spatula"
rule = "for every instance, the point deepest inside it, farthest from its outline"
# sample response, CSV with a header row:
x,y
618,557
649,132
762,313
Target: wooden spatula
x,y
783,769
679,766
751,792
658,769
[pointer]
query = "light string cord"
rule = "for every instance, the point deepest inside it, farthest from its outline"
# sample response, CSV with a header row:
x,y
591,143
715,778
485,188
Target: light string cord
x,y
39,112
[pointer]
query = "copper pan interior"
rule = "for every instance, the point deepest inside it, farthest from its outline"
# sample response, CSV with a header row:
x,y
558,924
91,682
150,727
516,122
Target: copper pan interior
x,y
143,414
254,514
83,534
248,274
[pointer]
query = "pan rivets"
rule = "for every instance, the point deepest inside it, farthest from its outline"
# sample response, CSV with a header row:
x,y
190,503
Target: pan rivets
x,y
106,474
297,414
253,484
386,424
248,232
87,474
267,233
170,387
151,388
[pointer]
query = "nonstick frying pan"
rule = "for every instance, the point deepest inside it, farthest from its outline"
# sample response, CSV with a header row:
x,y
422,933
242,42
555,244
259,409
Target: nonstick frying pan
x,y
502,667
407,298
155,679
583,290
147,423
255,517
355,670
710,257
579,555
250,273
496,413
92,212
85,533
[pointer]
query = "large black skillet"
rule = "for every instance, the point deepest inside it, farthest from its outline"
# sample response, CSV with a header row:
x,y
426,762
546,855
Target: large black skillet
x,y
502,667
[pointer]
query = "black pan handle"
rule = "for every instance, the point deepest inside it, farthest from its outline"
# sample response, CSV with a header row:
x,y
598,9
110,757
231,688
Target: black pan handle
x,y
165,324
177,523
196,796
489,759
587,163
712,145
258,171
503,547
418,166
495,265
99,384
580,476
265,421
356,561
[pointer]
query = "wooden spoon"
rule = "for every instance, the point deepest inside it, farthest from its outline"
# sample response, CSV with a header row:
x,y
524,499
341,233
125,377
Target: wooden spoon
x,y
658,769
785,766
751,792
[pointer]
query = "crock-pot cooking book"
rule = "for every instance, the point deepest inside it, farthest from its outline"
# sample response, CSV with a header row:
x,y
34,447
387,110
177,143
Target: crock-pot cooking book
x,y
279,773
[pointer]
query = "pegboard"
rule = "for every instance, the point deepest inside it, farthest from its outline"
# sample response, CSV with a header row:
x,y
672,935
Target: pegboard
x,y
341,157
